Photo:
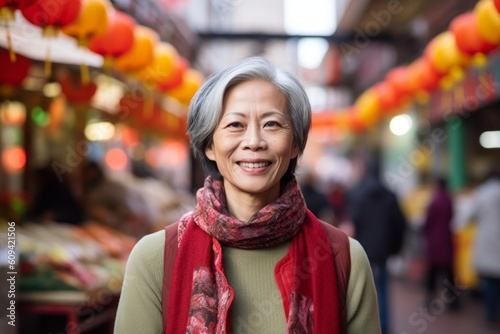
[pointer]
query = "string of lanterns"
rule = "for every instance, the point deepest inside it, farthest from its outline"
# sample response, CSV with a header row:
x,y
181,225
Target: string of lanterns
x,y
470,38
127,48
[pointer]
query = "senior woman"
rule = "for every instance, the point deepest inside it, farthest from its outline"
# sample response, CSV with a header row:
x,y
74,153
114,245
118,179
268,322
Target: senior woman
x,y
250,258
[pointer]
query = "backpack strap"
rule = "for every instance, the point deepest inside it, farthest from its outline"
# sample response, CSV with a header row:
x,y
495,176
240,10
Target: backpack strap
x,y
171,248
342,255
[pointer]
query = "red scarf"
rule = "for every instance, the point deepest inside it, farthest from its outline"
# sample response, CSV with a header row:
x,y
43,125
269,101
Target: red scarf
x,y
200,295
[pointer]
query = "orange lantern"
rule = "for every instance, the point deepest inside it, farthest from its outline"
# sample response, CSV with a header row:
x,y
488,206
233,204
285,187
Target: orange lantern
x,y
13,74
162,67
329,120
368,108
356,124
118,38
488,21
142,52
465,29
191,81
7,14
181,65
444,55
92,22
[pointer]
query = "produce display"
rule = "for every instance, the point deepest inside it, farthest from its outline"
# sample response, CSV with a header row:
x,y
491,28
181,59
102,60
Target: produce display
x,y
63,257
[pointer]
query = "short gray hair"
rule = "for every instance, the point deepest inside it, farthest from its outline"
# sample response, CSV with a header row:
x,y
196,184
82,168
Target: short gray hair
x,y
205,110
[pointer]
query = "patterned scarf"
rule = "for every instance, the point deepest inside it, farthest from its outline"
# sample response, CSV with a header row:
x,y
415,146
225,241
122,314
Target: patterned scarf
x,y
200,294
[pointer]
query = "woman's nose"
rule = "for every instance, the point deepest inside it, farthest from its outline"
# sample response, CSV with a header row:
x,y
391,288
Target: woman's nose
x,y
254,139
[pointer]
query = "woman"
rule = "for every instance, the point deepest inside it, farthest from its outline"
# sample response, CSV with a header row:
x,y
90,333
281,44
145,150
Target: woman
x,y
250,258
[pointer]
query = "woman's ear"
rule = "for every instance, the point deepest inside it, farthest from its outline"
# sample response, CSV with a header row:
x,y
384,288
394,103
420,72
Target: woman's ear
x,y
209,152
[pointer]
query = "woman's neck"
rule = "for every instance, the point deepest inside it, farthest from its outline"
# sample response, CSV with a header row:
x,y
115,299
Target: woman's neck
x,y
243,206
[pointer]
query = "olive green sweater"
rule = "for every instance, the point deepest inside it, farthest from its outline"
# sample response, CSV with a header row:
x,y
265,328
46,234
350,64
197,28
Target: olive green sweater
x,y
257,306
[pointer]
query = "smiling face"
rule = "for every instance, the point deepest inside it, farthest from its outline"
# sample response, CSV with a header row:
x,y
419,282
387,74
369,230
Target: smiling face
x,y
253,142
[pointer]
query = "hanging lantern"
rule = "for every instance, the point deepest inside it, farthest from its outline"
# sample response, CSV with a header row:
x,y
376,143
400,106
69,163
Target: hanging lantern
x,y
181,65
191,81
92,22
368,108
497,5
162,67
51,17
444,54
399,80
7,15
466,32
118,38
142,52
488,21
76,91
423,77
388,97
13,74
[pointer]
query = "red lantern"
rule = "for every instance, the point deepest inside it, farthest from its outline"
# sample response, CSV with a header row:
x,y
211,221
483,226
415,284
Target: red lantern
x,y
497,5
52,15
388,98
423,76
76,91
181,65
465,29
118,38
399,80
14,73
7,13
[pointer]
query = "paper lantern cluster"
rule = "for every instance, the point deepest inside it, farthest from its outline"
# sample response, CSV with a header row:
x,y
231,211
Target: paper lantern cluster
x,y
471,37
126,47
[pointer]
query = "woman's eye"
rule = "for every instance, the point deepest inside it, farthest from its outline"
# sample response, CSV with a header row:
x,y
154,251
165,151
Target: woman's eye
x,y
234,125
272,123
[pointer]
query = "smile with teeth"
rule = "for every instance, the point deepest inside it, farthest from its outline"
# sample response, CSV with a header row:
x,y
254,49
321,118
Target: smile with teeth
x,y
254,164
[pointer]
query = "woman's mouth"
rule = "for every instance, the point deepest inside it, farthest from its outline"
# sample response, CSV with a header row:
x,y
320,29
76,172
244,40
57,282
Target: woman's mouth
x,y
254,164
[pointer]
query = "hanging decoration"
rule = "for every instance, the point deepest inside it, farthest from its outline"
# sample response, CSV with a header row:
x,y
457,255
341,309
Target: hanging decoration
x,y
12,75
90,23
181,65
160,70
141,54
117,40
488,21
368,108
51,16
191,82
388,98
77,92
465,29
7,15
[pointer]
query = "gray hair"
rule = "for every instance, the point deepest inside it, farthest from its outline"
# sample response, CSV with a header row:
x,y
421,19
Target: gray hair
x,y
206,108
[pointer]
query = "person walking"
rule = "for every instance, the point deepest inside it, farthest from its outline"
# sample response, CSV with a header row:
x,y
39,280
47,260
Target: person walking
x,y
379,225
439,243
485,212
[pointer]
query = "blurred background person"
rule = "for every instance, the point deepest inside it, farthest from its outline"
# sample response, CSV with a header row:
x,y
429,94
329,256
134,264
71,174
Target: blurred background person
x,y
316,200
439,241
111,203
485,211
55,198
379,226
